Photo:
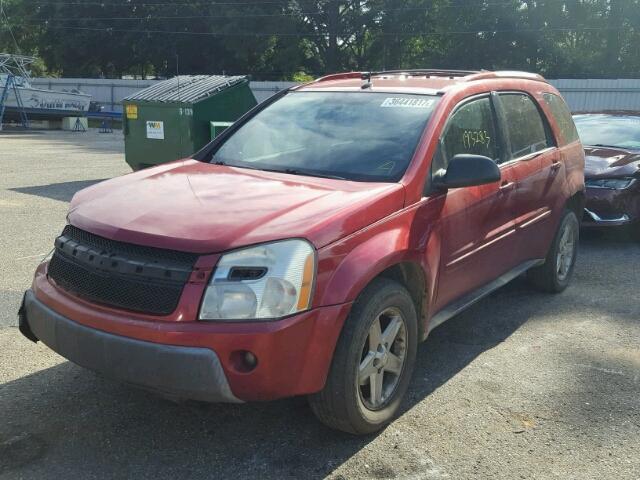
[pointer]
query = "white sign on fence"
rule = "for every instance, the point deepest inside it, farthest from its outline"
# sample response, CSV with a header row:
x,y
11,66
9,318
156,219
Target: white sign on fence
x,y
155,130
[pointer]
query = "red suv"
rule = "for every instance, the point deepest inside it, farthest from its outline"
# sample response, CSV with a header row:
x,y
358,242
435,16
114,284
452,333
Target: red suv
x,y
309,248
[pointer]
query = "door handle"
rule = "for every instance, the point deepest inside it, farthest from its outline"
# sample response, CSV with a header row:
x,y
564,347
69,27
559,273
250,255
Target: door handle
x,y
555,166
506,186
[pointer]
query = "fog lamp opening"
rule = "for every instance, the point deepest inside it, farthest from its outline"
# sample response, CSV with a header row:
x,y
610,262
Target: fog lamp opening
x,y
244,361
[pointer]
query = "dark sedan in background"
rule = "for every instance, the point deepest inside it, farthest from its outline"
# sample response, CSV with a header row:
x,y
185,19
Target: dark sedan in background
x,y
612,167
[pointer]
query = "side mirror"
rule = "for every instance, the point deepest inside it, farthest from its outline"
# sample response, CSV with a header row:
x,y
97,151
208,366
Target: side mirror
x,y
466,170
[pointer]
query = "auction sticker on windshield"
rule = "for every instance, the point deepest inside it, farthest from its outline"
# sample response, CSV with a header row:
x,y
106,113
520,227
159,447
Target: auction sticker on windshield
x,y
407,102
155,130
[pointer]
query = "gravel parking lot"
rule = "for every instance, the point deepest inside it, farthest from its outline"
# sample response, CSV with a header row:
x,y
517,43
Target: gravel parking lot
x,y
522,385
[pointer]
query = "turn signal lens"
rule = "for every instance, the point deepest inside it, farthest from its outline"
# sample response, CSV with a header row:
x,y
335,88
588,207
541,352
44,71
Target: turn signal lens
x,y
304,301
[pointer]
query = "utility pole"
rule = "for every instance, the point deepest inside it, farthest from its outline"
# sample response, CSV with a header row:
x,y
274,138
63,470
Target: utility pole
x,y
333,21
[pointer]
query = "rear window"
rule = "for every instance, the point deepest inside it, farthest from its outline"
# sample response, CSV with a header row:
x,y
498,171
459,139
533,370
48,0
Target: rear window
x,y
562,116
361,136
526,128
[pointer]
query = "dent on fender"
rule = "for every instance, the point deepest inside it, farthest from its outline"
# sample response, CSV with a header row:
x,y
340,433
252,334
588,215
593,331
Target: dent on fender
x,y
369,258
358,266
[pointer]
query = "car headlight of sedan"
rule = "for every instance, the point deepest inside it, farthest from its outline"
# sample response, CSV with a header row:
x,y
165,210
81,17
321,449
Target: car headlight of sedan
x,y
610,183
265,281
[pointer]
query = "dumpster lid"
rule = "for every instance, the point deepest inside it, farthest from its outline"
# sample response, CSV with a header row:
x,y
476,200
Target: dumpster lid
x,y
186,88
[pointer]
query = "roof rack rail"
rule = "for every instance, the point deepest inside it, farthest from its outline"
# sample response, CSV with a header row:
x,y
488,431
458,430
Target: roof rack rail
x,y
506,74
338,76
440,72
463,75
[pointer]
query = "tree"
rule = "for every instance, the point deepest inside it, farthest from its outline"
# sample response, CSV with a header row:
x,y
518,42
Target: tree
x,y
280,39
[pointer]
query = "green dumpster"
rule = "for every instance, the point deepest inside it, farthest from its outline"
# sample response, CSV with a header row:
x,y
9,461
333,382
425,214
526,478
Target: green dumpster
x,y
218,127
173,119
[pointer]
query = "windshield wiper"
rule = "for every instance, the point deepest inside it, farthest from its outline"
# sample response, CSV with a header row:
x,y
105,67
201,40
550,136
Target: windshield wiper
x,y
311,173
290,171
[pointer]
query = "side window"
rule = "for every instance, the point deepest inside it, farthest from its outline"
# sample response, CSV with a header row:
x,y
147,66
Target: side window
x,y
562,116
471,129
527,130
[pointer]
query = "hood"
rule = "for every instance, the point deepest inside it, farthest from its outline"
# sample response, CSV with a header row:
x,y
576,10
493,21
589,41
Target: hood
x,y
203,208
608,162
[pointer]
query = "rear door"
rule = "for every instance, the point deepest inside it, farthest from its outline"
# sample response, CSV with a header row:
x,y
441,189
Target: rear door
x,y
534,158
477,223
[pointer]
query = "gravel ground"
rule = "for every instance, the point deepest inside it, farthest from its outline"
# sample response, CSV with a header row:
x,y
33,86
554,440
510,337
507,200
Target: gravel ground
x,y
522,385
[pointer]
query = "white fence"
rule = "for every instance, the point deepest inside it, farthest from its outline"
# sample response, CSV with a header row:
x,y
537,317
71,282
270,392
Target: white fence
x,y
111,92
581,95
600,94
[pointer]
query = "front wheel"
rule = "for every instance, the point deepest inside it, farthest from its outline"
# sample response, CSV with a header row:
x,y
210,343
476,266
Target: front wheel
x,y
373,361
555,274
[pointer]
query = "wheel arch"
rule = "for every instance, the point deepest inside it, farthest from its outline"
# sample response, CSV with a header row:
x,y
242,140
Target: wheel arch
x,y
411,276
381,257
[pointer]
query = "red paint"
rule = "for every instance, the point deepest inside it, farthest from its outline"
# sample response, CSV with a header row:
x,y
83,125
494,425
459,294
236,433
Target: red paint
x,y
460,239
205,208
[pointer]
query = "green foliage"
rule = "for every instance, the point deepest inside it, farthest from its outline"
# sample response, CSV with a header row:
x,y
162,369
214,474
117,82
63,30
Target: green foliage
x,y
302,77
301,39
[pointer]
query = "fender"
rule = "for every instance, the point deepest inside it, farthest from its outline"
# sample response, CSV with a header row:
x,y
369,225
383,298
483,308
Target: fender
x,y
352,263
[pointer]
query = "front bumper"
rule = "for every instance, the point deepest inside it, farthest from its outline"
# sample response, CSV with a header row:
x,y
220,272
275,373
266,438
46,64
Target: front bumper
x,y
293,354
612,208
593,219
186,372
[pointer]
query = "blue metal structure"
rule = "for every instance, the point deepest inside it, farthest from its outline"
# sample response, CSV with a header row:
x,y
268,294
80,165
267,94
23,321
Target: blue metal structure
x,y
8,85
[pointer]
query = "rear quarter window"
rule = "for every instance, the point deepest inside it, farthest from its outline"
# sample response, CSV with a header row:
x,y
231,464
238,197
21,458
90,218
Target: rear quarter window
x,y
527,130
562,116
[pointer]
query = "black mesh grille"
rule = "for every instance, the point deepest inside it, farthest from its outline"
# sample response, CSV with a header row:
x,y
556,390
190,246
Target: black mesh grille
x,y
132,277
152,253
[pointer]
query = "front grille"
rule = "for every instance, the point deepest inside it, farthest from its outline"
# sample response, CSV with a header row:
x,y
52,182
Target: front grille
x,y
150,253
119,274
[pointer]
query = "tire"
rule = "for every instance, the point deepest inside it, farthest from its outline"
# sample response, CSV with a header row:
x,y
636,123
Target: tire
x,y
349,400
555,274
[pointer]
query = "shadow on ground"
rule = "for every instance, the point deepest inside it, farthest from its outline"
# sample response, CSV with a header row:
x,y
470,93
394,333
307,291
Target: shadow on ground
x,y
63,191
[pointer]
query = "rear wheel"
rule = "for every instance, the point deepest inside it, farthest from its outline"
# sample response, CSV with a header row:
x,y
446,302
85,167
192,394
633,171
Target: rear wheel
x,y
556,272
373,361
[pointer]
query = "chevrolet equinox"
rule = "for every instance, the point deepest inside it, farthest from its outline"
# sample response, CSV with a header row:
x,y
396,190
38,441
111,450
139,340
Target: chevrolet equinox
x,y
310,247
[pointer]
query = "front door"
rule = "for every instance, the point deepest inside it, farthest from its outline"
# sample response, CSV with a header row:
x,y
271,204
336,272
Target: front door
x,y
477,226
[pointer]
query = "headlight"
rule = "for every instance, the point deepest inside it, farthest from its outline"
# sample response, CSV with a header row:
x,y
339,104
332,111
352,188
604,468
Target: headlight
x,y
265,281
611,183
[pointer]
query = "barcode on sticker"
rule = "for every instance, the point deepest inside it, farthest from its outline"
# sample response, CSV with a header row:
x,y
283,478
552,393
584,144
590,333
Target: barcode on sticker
x,y
407,102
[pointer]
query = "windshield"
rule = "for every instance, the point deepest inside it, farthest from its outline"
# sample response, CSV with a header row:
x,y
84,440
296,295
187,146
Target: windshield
x,y
359,136
609,130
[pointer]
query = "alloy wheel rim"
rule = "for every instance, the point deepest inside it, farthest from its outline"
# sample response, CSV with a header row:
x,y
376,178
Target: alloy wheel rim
x,y
566,249
382,360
